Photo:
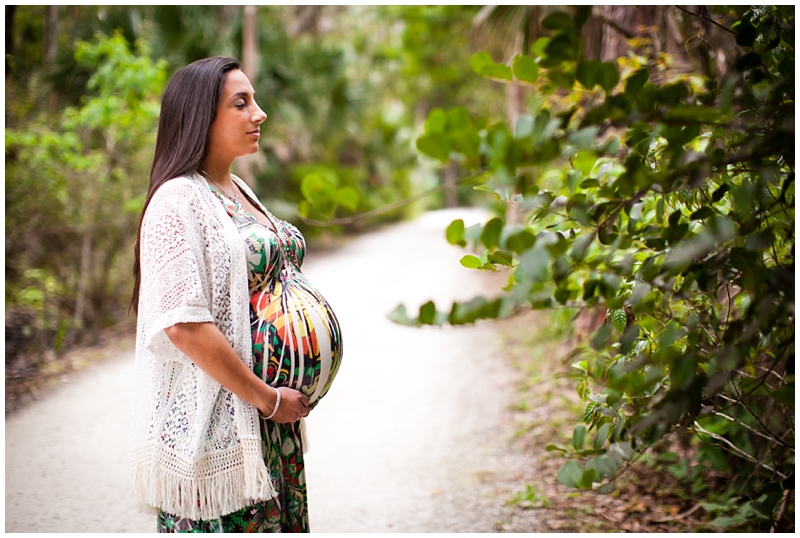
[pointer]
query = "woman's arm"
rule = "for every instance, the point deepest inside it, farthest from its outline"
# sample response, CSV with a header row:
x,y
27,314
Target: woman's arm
x,y
211,352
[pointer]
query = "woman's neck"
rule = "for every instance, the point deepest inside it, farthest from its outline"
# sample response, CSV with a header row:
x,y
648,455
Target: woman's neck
x,y
219,174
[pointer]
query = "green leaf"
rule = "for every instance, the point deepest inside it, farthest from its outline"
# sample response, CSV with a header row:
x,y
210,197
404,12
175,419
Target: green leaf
x,y
525,69
693,114
555,448
491,232
520,242
471,262
608,76
619,319
564,79
540,46
458,119
785,395
427,313
582,140
399,316
702,213
745,35
347,197
436,121
465,142
636,81
584,161
480,60
588,478
317,188
603,466
681,373
534,263
483,65
602,435
720,192
558,20
587,73
601,337
455,233
727,522
435,145
578,436
580,247
570,474
501,257
628,339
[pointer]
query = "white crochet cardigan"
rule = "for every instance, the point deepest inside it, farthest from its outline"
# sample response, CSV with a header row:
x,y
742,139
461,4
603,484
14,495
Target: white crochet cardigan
x,y
197,449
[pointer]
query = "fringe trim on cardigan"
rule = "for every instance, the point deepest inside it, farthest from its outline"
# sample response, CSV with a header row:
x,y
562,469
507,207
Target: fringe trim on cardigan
x,y
205,497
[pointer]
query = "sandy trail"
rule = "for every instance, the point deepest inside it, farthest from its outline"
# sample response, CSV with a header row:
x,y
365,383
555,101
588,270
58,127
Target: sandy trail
x,y
405,428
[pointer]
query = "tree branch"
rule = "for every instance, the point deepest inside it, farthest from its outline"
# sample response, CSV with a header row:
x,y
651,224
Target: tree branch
x,y
754,431
708,19
616,26
736,450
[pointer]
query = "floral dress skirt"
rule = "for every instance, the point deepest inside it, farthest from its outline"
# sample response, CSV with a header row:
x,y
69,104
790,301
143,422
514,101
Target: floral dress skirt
x,y
296,343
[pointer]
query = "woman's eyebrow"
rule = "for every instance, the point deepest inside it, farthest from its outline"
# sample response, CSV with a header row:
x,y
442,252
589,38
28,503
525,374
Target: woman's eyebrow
x,y
243,94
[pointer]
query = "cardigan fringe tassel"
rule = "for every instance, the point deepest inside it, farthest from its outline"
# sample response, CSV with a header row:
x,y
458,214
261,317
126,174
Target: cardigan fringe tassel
x,y
207,497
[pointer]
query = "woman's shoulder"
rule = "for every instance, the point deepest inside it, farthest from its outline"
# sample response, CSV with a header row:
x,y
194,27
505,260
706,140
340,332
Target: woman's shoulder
x,y
179,189
179,194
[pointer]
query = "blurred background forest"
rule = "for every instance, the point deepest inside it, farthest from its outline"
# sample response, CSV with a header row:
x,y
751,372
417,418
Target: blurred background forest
x,y
638,161
345,88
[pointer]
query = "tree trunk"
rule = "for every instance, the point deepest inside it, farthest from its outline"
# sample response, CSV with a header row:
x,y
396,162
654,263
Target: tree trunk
x,y
50,33
305,22
83,279
244,165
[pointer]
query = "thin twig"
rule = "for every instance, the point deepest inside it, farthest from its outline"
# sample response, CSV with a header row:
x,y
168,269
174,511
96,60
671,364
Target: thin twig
x,y
709,19
742,454
747,408
754,431
786,494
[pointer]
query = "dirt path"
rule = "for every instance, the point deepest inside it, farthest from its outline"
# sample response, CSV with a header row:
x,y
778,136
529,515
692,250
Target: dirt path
x,y
412,436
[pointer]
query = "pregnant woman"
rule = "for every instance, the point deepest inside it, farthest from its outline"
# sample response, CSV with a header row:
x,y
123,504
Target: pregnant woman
x,y
234,346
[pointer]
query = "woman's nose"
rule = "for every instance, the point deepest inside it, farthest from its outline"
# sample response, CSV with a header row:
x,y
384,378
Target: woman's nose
x,y
260,115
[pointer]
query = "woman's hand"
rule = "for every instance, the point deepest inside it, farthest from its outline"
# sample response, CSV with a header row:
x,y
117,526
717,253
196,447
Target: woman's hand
x,y
294,405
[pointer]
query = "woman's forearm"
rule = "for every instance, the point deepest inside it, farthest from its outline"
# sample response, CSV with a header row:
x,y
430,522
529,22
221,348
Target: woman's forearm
x,y
208,348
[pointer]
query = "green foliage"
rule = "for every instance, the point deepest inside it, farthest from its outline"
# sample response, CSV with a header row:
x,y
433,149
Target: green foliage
x,y
73,190
670,204
530,498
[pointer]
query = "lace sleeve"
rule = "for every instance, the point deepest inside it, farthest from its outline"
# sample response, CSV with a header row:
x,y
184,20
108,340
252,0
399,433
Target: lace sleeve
x,y
175,282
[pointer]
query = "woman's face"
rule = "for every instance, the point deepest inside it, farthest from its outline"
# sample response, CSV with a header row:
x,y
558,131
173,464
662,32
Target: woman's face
x,y
235,130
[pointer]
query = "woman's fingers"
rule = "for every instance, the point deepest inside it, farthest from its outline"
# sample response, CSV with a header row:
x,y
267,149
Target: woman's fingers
x,y
294,406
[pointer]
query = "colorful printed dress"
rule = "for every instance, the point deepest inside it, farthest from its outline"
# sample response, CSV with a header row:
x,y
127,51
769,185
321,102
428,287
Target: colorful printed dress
x,y
296,343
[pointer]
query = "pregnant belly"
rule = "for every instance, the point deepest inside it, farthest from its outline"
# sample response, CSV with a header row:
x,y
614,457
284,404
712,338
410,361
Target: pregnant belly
x,y
296,339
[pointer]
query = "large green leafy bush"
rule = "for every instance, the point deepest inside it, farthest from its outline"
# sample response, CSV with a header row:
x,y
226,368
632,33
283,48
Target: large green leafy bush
x,y
671,205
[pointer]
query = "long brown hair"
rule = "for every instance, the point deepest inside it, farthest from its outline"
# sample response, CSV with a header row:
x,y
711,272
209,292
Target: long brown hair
x,y
188,109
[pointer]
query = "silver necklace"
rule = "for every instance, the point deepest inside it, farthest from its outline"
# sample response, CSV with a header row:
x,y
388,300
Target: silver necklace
x,y
234,198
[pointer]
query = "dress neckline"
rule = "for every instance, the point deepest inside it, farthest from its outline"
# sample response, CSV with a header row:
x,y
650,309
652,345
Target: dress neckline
x,y
239,208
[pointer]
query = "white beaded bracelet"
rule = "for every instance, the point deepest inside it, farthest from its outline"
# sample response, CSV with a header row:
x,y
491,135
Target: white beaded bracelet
x,y
277,403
